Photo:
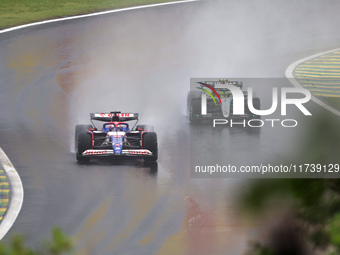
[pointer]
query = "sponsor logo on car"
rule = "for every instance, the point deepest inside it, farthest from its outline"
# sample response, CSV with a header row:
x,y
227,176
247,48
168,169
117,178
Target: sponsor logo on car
x,y
118,114
139,152
95,152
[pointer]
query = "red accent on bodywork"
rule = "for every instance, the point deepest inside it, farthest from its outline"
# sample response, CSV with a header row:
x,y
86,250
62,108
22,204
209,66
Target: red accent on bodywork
x,y
141,138
90,132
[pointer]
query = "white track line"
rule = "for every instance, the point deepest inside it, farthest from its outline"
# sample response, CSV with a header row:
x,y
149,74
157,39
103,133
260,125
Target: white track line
x,y
291,78
16,198
92,14
16,184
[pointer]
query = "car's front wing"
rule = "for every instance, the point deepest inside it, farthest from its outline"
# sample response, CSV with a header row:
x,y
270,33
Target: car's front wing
x,y
132,152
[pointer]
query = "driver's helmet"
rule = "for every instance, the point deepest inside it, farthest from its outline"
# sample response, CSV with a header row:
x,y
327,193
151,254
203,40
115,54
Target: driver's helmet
x,y
119,128
112,128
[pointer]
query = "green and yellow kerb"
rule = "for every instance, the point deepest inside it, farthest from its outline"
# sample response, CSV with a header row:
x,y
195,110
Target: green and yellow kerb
x,y
321,75
4,194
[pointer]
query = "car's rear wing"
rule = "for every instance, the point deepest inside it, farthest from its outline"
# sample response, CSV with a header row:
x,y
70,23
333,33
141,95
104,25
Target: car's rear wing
x,y
218,85
114,116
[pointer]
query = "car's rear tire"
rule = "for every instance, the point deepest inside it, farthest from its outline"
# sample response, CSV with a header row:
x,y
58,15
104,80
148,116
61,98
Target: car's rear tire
x,y
148,128
257,106
194,106
84,142
80,128
194,110
150,143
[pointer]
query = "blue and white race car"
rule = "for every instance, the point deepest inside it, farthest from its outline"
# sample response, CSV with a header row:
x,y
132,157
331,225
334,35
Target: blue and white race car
x,y
115,138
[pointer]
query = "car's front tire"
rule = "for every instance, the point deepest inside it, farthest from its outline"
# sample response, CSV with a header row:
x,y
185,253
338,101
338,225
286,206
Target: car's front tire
x,y
84,142
150,143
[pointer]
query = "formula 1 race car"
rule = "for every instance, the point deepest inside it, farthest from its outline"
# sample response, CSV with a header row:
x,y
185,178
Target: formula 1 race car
x,y
115,138
215,99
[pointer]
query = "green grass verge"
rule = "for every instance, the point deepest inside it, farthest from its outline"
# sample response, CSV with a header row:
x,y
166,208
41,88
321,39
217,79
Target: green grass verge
x,y
333,102
18,12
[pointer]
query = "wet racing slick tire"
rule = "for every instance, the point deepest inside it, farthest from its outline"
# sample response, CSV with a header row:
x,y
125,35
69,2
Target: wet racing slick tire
x,y
80,128
150,143
84,142
257,106
194,110
148,128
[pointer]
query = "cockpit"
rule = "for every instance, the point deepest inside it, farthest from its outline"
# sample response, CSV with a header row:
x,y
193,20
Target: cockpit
x,y
115,126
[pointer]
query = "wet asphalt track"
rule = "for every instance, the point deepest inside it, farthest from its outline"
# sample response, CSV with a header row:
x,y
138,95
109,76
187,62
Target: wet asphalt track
x,y
52,76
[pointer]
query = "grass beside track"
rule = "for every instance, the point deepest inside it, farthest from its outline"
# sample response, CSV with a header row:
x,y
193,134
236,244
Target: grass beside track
x,y
333,102
18,12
